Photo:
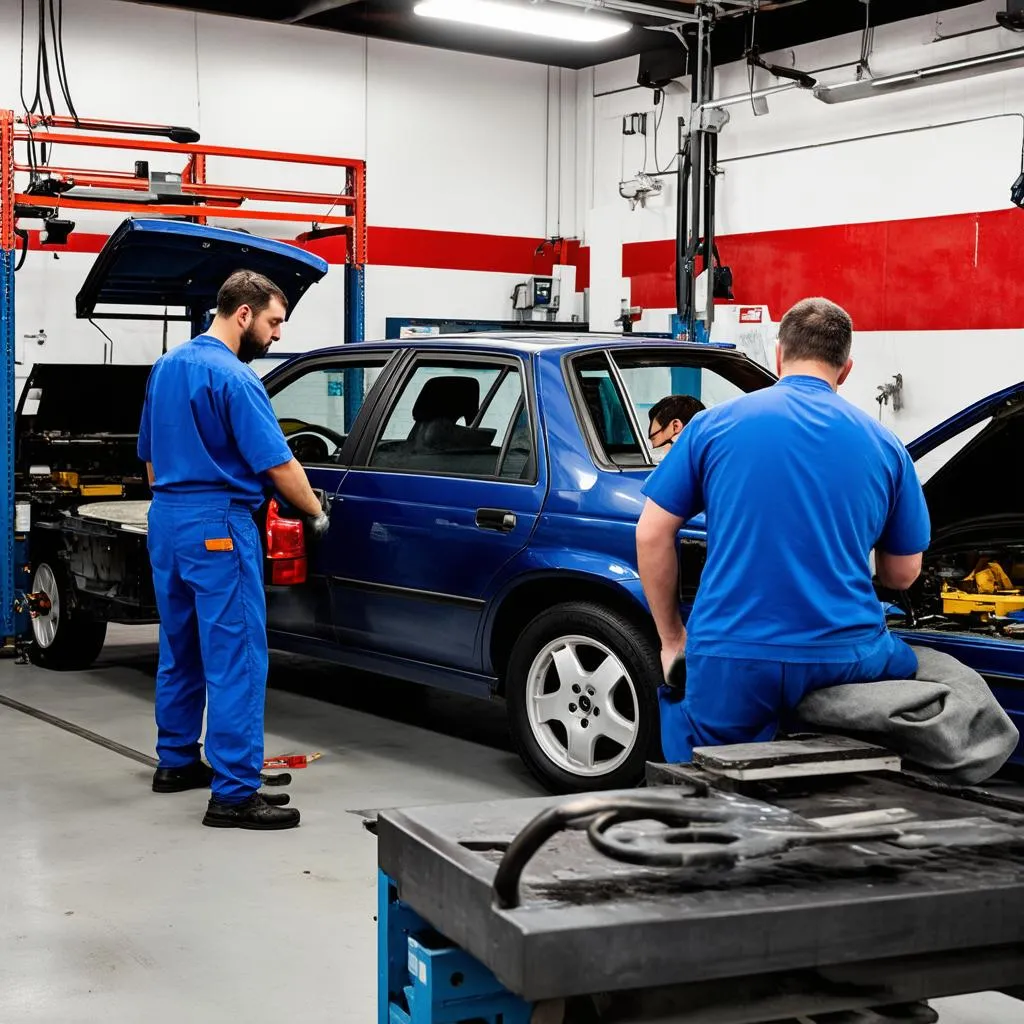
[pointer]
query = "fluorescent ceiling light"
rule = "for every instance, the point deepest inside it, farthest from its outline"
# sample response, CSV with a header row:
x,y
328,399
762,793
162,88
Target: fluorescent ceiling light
x,y
534,19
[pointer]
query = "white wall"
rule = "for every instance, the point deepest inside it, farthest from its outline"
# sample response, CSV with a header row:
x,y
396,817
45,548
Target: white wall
x,y
809,164
453,142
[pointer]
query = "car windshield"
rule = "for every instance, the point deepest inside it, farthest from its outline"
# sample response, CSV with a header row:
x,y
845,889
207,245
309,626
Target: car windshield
x,y
618,388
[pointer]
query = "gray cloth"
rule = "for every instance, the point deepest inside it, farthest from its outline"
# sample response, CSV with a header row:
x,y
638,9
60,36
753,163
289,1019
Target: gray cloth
x,y
945,720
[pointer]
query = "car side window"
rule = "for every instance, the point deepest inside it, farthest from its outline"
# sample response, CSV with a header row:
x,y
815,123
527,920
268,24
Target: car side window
x,y
317,409
606,410
458,418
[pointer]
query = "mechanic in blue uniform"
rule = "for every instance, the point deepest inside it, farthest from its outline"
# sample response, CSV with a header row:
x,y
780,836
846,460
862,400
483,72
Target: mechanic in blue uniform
x,y
213,449
799,487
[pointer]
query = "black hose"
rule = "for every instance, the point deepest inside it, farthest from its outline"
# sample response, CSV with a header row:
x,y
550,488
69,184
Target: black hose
x,y
23,235
556,819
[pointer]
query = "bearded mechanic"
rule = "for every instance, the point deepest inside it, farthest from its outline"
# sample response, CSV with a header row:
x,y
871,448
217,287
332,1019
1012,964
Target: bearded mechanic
x,y
213,448
799,486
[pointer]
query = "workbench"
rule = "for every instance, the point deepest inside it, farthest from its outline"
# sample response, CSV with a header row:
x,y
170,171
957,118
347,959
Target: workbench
x,y
924,899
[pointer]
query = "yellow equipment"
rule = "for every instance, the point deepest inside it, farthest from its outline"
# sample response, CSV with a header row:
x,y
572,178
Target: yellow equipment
x,y
994,594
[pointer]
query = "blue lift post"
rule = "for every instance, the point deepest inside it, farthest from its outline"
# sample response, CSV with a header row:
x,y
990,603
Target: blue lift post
x,y
7,396
424,979
355,331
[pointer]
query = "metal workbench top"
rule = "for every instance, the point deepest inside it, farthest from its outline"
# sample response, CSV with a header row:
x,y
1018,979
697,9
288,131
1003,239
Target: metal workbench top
x,y
589,924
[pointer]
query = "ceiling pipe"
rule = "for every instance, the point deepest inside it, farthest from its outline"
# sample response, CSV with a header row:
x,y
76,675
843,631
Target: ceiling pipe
x,y
954,71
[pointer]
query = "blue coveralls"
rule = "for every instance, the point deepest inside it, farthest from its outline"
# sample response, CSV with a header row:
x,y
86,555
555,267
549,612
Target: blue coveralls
x,y
210,432
799,486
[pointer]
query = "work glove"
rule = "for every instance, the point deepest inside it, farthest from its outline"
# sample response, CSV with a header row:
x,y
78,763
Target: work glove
x,y
675,678
318,525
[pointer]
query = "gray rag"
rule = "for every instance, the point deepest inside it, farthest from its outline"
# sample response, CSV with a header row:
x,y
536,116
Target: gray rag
x,y
945,720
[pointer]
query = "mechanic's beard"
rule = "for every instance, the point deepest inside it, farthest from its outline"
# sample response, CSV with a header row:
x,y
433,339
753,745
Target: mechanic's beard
x,y
250,347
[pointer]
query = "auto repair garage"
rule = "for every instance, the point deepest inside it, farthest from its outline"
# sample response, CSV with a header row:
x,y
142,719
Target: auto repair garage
x,y
513,511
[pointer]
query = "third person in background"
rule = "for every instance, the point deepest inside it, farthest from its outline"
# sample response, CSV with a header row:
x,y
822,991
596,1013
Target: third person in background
x,y
669,416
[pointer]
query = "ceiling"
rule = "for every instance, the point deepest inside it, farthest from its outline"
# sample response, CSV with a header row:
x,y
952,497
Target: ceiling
x,y
778,26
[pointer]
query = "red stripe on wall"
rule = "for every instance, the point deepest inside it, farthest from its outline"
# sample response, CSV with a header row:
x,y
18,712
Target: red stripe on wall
x,y
939,273
409,247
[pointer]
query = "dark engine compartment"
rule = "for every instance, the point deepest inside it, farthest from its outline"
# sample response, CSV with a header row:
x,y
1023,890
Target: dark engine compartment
x,y
974,585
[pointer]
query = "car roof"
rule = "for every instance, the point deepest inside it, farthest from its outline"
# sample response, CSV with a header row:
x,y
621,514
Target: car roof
x,y
532,342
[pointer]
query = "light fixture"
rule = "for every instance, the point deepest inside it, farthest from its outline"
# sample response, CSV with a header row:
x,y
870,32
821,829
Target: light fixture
x,y
954,71
534,20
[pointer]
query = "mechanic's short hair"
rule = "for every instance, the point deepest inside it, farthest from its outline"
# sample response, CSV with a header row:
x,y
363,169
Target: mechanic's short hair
x,y
675,407
247,288
816,329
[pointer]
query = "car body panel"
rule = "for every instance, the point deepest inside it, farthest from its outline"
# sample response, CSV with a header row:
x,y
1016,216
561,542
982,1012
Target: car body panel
x,y
180,264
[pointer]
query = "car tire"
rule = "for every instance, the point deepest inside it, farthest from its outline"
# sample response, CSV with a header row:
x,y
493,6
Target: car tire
x,y
581,691
61,641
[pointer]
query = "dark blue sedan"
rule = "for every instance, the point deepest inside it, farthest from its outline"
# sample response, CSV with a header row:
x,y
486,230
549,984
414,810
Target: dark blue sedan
x,y
484,498
484,494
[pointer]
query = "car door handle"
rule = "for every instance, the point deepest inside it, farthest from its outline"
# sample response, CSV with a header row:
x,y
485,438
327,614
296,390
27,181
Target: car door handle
x,y
499,519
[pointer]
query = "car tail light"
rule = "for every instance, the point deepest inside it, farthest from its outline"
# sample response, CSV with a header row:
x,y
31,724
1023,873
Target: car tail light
x,y
286,548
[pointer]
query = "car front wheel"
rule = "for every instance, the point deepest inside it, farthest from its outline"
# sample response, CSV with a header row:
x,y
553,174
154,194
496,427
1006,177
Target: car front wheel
x,y
582,698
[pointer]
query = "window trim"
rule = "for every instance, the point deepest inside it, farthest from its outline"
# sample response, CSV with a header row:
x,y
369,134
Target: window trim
x,y
303,367
403,373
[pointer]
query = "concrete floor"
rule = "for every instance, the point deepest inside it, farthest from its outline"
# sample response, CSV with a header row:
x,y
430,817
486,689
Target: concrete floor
x,y
116,905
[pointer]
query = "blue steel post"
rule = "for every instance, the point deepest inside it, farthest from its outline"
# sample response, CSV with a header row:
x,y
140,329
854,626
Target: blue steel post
x,y
355,283
355,302
7,397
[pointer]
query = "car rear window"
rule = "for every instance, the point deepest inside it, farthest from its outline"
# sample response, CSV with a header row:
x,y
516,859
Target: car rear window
x,y
616,390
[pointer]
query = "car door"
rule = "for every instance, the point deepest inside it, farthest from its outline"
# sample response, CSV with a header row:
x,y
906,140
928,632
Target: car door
x,y
318,401
446,488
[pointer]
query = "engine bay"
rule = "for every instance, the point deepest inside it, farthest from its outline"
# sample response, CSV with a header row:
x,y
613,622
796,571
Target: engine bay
x,y
976,591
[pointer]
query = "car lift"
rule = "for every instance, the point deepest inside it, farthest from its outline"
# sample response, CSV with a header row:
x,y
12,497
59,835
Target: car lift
x,y
188,195
758,884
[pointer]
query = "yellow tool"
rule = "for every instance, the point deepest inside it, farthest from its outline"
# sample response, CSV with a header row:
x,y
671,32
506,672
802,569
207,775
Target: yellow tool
x,y
981,606
990,578
993,594
101,490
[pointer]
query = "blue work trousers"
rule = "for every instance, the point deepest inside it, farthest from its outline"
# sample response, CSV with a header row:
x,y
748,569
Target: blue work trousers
x,y
208,575
735,700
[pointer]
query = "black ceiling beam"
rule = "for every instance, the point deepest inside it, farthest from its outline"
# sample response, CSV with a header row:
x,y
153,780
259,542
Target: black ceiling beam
x,y
777,29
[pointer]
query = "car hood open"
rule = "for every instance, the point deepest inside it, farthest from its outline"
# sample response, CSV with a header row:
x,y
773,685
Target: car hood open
x,y
982,482
182,265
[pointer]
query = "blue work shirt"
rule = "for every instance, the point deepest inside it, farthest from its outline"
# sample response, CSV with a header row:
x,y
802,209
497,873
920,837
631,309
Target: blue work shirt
x,y
208,426
799,486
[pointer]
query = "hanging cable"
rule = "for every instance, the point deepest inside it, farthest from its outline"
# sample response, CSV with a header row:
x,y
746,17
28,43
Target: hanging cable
x,y
109,338
62,66
657,126
23,235
750,65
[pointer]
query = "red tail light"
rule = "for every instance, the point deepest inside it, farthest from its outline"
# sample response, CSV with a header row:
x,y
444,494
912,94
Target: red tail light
x,y
286,548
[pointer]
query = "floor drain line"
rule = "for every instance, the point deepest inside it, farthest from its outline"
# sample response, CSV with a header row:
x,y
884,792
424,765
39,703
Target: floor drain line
x,y
77,730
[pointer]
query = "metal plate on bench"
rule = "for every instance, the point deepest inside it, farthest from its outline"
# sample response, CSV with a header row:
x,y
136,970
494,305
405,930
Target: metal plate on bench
x,y
588,923
781,759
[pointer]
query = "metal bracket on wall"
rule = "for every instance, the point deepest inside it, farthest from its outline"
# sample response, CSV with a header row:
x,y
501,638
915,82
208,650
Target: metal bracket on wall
x,y
893,391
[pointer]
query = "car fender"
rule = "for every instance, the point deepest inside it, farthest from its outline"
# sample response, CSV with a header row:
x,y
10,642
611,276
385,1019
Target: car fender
x,y
539,563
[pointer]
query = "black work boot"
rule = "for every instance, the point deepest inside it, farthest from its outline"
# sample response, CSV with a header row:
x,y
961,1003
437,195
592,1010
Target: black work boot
x,y
254,813
176,780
